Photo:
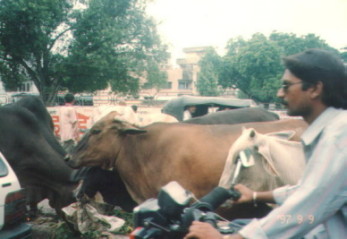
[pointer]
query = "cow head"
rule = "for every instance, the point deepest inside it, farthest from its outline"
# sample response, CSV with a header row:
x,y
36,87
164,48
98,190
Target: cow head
x,y
277,160
101,145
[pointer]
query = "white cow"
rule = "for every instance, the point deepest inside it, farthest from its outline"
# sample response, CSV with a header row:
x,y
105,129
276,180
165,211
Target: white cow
x,y
147,119
125,113
277,160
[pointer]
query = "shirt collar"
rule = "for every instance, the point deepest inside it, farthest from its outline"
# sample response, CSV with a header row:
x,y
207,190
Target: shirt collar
x,y
317,126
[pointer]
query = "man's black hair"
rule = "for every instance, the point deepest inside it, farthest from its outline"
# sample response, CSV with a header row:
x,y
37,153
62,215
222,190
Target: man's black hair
x,y
316,65
69,98
134,107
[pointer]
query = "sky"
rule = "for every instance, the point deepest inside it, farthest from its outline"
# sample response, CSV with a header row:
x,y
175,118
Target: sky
x,y
190,23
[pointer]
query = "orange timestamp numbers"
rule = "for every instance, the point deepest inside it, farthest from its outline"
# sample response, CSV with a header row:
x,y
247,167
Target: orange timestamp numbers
x,y
288,218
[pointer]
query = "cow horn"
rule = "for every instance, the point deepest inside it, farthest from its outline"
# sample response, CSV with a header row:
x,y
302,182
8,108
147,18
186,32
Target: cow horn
x,y
252,133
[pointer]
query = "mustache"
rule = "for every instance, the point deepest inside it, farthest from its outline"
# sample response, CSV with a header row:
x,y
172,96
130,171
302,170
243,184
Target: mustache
x,y
284,103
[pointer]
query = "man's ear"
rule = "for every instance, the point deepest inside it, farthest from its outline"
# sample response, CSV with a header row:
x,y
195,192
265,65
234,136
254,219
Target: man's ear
x,y
317,90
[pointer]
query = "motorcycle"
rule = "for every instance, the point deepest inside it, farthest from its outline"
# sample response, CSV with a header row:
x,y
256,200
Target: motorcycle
x,y
170,215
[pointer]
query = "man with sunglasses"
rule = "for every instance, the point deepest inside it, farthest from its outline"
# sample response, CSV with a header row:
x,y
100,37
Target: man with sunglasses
x,y
314,86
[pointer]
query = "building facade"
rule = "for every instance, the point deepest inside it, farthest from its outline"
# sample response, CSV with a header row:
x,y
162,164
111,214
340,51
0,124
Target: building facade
x,y
182,79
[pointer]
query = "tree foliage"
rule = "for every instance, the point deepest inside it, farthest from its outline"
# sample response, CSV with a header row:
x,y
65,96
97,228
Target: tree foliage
x,y
207,83
344,54
106,43
114,42
156,77
254,66
27,36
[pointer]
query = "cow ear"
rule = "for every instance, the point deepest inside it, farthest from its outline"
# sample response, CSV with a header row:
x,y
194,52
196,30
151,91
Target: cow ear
x,y
132,131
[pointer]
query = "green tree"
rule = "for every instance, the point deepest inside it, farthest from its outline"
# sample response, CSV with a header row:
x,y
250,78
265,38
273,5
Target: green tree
x,y
109,43
114,43
208,77
291,43
27,36
156,77
343,54
254,66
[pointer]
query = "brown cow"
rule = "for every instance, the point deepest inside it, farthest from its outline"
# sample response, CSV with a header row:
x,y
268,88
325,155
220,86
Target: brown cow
x,y
150,157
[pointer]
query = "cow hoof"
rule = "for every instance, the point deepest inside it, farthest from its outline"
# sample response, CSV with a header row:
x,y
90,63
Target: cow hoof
x,y
31,215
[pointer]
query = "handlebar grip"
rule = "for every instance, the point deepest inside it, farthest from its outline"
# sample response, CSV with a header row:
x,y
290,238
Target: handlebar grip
x,y
234,194
216,197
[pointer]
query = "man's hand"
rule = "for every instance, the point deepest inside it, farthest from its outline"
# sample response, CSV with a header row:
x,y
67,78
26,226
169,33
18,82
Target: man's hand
x,y
246,194
203,230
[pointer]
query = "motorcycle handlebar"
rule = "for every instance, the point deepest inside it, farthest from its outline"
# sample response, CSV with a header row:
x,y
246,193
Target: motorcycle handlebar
x,y
218,196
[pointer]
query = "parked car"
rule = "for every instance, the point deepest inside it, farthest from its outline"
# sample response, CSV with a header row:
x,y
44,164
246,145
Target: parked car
x,y
176,107
17,96
12,205
83,100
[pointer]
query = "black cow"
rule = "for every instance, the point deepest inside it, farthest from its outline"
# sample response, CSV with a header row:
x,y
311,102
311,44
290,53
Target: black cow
x,y
235,116
109,185
37,107
28,143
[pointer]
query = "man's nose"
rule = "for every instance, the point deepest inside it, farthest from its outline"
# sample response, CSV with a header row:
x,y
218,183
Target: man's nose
x,y
280,93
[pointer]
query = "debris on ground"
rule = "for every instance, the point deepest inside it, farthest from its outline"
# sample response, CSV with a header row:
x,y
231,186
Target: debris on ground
x,y
50,226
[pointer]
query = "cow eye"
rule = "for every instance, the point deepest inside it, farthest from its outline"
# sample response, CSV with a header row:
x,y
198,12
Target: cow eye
x,y
95,131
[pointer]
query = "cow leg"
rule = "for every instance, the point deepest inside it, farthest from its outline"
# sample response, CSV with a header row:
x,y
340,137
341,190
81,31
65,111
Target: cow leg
x,y
33,196
56,204
32,211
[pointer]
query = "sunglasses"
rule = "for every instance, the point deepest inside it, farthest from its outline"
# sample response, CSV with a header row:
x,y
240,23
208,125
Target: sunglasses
x,y
285,86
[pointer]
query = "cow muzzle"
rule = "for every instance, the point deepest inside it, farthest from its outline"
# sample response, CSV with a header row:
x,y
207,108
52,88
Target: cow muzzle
x,y
71,163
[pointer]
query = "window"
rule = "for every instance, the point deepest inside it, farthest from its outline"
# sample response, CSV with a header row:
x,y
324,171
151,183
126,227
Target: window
x,y
184,84
25,87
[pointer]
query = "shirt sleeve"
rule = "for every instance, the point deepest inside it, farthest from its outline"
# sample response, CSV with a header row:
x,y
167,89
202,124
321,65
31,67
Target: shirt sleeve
x,y
320,194
282,193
